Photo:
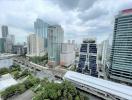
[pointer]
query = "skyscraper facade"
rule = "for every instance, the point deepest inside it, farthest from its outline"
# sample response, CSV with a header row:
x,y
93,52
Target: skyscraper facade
x,y
55,39
4,30
10,39
35,45
41,29
121,53
31,45
88,57
2,45
103,58
67,55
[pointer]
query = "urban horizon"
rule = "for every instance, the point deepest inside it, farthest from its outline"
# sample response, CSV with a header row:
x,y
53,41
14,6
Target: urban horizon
x,y
77,20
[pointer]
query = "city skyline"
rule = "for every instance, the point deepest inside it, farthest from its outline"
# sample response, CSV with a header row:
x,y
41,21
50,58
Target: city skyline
x,y
78,18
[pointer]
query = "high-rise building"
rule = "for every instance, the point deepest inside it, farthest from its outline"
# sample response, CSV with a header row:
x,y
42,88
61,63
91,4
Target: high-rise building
x,y
67,55
55,39
31,44
121,53
105,51
41,29
103,58
10,39
4,30
35,45
87,57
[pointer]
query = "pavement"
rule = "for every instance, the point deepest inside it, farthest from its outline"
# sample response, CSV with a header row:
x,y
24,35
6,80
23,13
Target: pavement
x,y
28,95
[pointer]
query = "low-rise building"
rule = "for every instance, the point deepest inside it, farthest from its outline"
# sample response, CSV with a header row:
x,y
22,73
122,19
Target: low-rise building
x,y
6,81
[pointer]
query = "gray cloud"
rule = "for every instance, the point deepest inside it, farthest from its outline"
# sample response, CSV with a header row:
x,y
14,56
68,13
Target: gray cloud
x,y
67,4
86,4
92,14
79,18
74,4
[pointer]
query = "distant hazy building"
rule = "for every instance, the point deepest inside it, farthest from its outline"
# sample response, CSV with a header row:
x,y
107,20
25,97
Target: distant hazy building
x,y
7,40
121,53
41,29
55,39
2,45
4,30
105,51
67,55
103,58
88,57
18,49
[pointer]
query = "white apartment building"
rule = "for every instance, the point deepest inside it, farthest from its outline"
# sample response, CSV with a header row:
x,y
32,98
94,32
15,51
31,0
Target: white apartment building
x,y
35,45
67,55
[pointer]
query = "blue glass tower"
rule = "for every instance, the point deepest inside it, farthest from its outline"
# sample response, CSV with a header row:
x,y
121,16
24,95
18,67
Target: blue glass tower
x,y
41,29
87,58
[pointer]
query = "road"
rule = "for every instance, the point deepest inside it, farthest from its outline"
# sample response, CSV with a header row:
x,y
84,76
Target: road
x,y
28,95
57,71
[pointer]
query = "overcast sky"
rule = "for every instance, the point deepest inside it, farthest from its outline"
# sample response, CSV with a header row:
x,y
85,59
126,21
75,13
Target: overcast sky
x,y
79,18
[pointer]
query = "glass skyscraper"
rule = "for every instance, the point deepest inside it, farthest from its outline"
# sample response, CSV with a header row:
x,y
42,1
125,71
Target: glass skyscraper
x,y
87,58
121,53
41,29
55,39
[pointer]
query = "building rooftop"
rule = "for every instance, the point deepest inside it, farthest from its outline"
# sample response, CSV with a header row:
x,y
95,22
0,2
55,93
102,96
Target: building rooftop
x,y
127,11
89,40
103,85
6,81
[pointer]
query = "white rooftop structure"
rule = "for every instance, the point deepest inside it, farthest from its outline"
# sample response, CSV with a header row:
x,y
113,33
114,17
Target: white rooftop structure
x,y
113,88
6,81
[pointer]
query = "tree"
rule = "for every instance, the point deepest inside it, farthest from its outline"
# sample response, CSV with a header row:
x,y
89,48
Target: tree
x,y
56,91
4,71
15,68
12,90
16,75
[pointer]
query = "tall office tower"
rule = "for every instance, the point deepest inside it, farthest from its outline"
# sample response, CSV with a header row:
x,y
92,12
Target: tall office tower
x,y
4,30
55,39
10,39
67,55
121,53
35,45
31,45
87,57
41,29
